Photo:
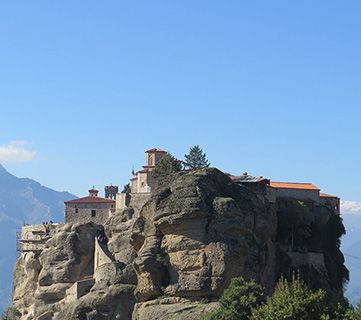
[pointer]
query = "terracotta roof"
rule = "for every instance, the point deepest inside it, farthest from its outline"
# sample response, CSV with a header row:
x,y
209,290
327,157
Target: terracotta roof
x,y
90,200
293,185
156,150
325,195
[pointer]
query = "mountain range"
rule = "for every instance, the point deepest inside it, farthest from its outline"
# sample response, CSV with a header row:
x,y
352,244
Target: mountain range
x,y
22,200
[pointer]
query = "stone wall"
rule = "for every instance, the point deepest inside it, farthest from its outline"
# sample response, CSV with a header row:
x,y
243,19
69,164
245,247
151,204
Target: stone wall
x,y
79,289
122,201
313,195
332,202
138,200
82,213
34,237
100,256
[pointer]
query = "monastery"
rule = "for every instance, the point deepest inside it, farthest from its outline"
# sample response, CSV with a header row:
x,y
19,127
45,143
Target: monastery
x,y
93,208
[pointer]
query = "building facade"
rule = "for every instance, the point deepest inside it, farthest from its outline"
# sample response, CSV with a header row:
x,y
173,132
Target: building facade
x,y
306,192
143,180
89,209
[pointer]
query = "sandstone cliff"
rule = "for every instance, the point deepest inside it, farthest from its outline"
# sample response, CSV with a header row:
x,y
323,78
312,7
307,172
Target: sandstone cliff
x,y
173,258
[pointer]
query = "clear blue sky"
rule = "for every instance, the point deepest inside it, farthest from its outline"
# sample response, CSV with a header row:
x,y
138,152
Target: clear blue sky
x,y
268,87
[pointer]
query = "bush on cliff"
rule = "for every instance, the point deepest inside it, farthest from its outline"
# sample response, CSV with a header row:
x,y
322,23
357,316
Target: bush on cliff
x,y
166,166
237,301
292,300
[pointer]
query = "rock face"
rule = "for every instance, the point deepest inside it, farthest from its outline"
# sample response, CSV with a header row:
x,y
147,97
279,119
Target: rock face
x,y
174,256
196,234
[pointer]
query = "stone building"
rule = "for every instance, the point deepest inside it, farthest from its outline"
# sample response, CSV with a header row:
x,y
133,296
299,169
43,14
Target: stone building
x,y
89,209
306,192
272,190
143,180
332,201
258,185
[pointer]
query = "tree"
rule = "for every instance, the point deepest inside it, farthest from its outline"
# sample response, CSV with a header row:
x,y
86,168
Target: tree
x,y
196,159
357,312
237,301
166,166
126,188
293,301
11,314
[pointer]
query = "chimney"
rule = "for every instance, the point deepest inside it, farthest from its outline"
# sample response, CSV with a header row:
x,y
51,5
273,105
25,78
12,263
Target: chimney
x,y
93,192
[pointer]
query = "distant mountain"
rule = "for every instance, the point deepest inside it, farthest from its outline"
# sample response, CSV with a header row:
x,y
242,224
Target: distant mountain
x,y
22,200
351,247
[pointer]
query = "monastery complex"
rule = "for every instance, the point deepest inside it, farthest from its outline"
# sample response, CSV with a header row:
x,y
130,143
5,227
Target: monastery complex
x,y
93,208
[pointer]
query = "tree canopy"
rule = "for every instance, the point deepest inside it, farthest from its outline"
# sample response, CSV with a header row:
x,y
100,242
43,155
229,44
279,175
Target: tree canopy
x,y
166,166
196,158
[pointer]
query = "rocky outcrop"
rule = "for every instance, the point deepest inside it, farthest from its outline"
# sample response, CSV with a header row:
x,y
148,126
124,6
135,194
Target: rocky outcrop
x,y
170,259
198,232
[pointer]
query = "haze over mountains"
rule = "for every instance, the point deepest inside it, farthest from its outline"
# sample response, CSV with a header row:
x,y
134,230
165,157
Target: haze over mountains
x,y
22,200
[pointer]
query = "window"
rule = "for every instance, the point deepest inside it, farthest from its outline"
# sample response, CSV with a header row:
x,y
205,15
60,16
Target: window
x,y
76,210
94,213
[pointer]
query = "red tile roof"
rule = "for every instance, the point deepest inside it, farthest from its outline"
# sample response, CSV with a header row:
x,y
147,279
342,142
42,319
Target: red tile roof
x,y
156,150
293,185
325,195
90,200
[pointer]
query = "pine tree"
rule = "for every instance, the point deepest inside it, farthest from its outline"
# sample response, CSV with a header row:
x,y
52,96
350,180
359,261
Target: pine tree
x,y
196,159
166,166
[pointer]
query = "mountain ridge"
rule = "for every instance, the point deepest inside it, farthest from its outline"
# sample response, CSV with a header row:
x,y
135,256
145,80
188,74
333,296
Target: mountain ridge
x,y
23,200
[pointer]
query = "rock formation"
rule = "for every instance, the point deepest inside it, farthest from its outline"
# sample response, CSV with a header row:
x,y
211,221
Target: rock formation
x,y
172,259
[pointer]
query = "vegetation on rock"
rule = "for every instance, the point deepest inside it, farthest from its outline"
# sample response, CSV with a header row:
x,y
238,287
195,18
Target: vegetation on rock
x,y
237,301
196,159
291,300
166,166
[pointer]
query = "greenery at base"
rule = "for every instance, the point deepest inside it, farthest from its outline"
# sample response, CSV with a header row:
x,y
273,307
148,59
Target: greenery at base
x,y
196,159
291,300
166,166
11,314
237,301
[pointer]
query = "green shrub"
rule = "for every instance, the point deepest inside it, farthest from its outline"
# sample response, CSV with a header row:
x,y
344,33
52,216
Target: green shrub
x,y
237,301
292,301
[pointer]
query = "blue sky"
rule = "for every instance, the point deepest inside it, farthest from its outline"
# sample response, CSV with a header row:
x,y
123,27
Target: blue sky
x,y
268,87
